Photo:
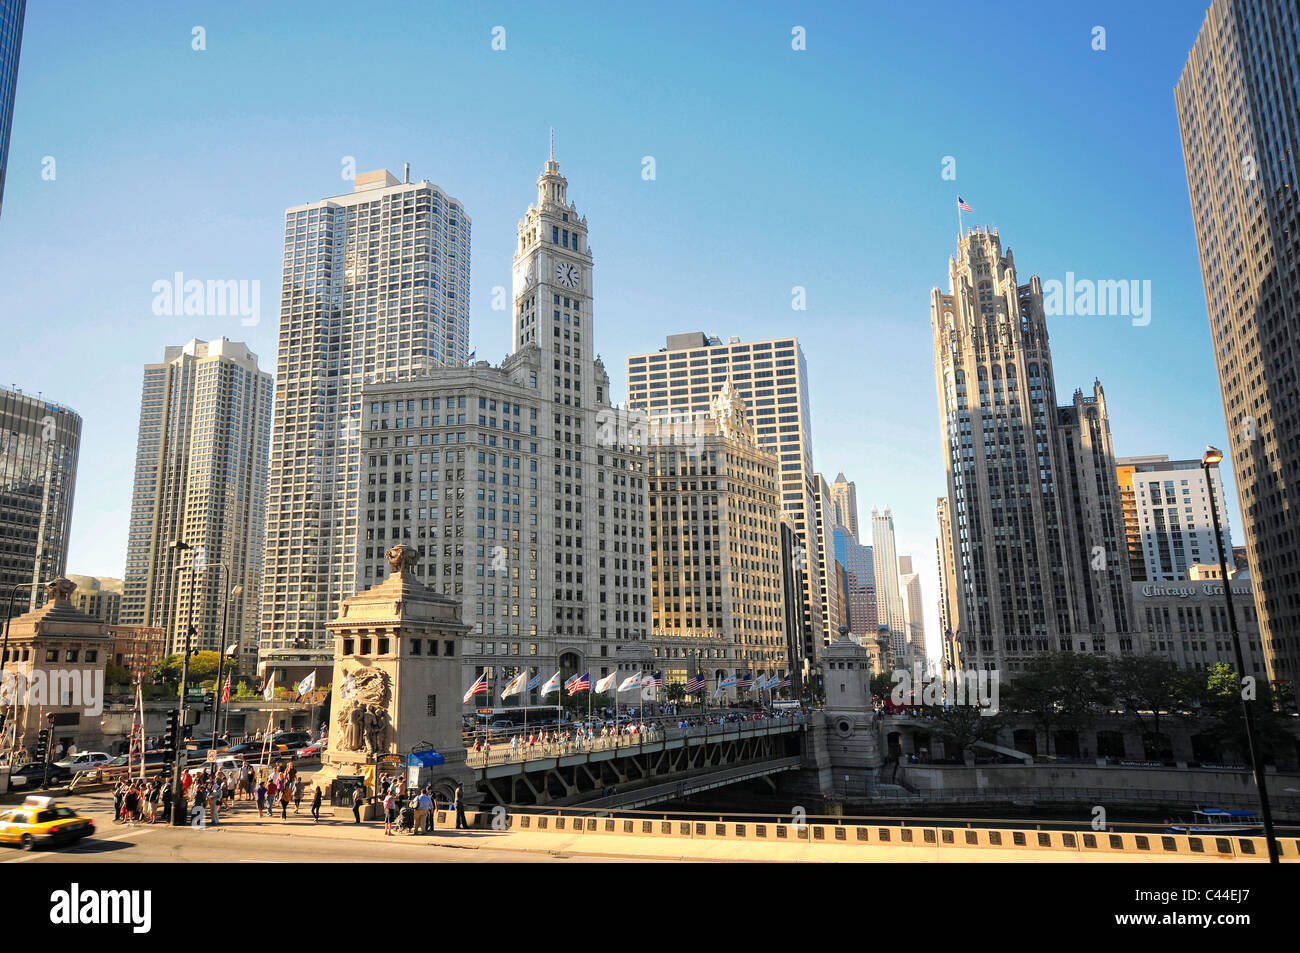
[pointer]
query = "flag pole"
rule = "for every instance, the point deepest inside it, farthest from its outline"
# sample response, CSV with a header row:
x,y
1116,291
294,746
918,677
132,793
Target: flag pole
x,y
959,218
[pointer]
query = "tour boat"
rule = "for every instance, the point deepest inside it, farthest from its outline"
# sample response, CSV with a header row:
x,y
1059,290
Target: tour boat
x,y
1215,820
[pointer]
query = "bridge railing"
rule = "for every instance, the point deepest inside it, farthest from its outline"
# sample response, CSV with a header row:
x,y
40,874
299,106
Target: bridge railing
x,y
836,833
505,754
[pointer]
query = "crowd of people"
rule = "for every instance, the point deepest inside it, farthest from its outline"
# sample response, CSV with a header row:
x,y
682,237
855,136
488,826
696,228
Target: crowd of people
x,y
597,735
406,811
209,792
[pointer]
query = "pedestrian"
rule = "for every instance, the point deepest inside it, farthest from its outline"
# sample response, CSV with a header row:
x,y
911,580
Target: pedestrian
x,y
390,813
284,801
119,797
315,804
261,799
297,794
166,798
356,803
422,806
432,823
459,804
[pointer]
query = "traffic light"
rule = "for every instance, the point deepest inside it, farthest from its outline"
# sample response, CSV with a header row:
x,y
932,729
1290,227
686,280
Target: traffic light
x,y
173,730
207,701
42,746
189,732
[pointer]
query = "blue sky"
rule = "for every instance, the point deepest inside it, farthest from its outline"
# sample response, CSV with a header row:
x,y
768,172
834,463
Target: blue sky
x,y
775,168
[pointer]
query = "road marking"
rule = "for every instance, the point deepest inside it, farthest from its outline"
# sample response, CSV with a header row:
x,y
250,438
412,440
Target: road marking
x,y
32,855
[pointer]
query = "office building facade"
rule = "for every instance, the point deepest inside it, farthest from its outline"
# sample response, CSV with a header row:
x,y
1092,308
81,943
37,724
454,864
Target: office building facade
x,y
375,287
1167,520
200,478
834,581
844,501
515,483
1238,102
772,378
1039,552
717,600
889,595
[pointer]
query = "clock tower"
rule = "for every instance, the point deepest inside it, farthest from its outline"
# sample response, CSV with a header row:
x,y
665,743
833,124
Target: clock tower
x,y
552,292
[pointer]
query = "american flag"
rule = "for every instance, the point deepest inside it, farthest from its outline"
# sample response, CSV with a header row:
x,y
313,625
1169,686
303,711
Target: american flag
x,y
225,692
961,204
659,679
579,683
695,682
478,688
744,680
784,683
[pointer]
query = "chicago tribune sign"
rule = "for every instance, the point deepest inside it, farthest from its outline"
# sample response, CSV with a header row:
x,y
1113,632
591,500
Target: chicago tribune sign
x,y
1186,592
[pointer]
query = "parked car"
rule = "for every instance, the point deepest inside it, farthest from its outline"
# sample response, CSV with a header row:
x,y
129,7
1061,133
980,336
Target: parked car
x,y
32,775
313,750
223,763
84,760
245,749
290,740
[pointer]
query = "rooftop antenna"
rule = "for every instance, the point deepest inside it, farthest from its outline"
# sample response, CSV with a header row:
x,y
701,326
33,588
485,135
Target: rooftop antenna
x,y
552,143
406,173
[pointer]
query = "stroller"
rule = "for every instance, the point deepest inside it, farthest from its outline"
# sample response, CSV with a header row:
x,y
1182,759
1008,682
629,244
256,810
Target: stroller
x,y
406,819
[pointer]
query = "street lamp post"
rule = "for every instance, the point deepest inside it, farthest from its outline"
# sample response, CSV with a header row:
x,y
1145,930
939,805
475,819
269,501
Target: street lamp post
x,y
178,799
4,646
1211,459
221,653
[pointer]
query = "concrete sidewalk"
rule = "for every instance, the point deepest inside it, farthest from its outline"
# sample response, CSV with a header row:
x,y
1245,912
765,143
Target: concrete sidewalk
x,y
337,824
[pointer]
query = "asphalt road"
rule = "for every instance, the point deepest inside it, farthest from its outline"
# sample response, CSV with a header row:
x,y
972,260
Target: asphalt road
x,y
248,840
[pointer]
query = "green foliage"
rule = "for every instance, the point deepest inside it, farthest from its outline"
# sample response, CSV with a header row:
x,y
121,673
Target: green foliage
x,y
1062,691
203,668
882,684
118,675
961,726
1145,687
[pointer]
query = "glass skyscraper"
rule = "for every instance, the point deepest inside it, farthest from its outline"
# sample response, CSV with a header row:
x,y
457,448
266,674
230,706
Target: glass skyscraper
x,y
11,44
39,443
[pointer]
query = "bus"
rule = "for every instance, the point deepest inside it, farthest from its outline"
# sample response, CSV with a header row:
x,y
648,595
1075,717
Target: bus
x,y
496,722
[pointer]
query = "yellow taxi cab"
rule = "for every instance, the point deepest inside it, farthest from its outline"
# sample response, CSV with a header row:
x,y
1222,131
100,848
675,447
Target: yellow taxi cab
x,y
41,821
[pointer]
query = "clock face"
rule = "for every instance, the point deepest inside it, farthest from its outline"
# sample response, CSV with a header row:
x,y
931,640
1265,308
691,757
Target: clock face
x,y
567,274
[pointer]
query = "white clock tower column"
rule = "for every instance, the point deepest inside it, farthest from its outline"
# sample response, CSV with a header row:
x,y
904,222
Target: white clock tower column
x,y
552,288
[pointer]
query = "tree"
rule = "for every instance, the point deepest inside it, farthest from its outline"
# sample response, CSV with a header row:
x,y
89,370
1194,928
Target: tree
x,y
203,667
1221,706
118,674
1147,686
1061,691
882,685
676,692
960,727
